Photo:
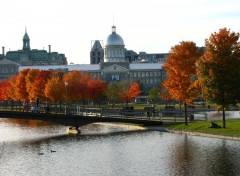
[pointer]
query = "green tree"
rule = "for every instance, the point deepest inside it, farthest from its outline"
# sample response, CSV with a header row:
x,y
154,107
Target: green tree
x,y
219,68
112,93
154,94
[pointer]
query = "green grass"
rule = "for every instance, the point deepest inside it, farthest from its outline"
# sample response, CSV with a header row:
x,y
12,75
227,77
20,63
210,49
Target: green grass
x,y
232,127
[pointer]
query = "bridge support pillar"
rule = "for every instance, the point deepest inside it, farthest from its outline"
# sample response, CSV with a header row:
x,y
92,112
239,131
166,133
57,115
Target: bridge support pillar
x,y
78,129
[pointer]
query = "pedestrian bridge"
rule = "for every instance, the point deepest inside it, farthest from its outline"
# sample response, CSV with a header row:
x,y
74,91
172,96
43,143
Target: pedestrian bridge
x,y
80,120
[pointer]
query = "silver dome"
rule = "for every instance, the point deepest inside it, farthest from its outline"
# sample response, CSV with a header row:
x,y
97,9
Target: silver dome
x,y
114,38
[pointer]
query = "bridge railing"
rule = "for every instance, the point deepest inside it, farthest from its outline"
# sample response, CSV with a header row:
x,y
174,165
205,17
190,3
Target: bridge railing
x,y
76,109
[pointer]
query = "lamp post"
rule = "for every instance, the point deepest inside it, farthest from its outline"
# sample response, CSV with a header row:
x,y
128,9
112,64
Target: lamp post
x,y
66,84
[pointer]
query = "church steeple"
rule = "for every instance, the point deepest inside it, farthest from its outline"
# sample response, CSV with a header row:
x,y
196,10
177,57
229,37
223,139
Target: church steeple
x,y
26,41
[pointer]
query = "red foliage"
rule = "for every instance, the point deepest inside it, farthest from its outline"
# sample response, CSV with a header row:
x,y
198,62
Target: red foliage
x,y
3,87
95,88
74,87
129,92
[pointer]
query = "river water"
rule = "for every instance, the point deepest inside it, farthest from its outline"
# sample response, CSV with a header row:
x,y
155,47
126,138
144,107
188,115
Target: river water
x,y
33,148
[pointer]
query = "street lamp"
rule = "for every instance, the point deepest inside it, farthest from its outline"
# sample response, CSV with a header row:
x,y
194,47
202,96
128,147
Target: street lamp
x,y
66,84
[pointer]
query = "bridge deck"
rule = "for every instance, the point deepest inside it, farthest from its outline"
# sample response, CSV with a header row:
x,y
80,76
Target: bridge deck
x,y
80,120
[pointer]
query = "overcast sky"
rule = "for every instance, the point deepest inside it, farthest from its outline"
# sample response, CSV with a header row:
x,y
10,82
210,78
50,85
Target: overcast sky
x,y
153,26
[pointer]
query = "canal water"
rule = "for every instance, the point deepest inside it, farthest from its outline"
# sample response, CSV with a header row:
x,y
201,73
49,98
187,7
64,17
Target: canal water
x,y
33,148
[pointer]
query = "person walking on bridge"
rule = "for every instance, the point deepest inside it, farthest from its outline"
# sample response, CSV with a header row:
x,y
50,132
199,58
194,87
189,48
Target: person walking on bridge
x,y
32,104
25,106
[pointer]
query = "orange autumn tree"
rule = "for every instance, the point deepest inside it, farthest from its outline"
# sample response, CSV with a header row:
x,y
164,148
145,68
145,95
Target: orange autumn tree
x,y
30,78
39,83
3,89
55,89
180,67
10,89
73,86
83,88
128,91
20,87
95,88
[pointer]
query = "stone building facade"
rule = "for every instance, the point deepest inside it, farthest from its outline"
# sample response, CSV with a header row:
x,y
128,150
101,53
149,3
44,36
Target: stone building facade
x,y
27,56
114,66
96,53
8,69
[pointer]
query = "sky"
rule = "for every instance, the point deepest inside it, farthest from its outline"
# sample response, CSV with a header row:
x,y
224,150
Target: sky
x,y
153,26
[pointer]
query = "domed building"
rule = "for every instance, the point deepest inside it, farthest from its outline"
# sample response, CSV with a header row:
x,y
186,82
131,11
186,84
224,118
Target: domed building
x,y
120,64
114,50
115,63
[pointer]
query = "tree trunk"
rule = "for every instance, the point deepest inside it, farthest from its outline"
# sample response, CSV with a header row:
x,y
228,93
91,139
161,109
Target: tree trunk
x,y
224,122
185,110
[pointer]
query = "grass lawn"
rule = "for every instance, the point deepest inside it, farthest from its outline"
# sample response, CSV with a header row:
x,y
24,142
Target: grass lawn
x,y
232,127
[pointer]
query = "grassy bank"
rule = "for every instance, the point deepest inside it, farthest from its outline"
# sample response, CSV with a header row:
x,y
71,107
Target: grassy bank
x,y
232,127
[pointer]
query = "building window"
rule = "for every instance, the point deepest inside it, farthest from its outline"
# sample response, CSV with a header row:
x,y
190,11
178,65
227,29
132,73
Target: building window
x,y
135,74
139,74
131,75
151,74
115,77
155,74
147,74
143,74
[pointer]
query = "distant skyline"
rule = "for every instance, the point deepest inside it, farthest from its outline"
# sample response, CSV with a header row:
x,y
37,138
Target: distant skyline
x,y
153,26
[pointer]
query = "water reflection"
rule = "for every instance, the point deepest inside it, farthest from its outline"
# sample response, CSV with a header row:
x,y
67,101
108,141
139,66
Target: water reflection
x,y
205,156
112,149
225,157
183,156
